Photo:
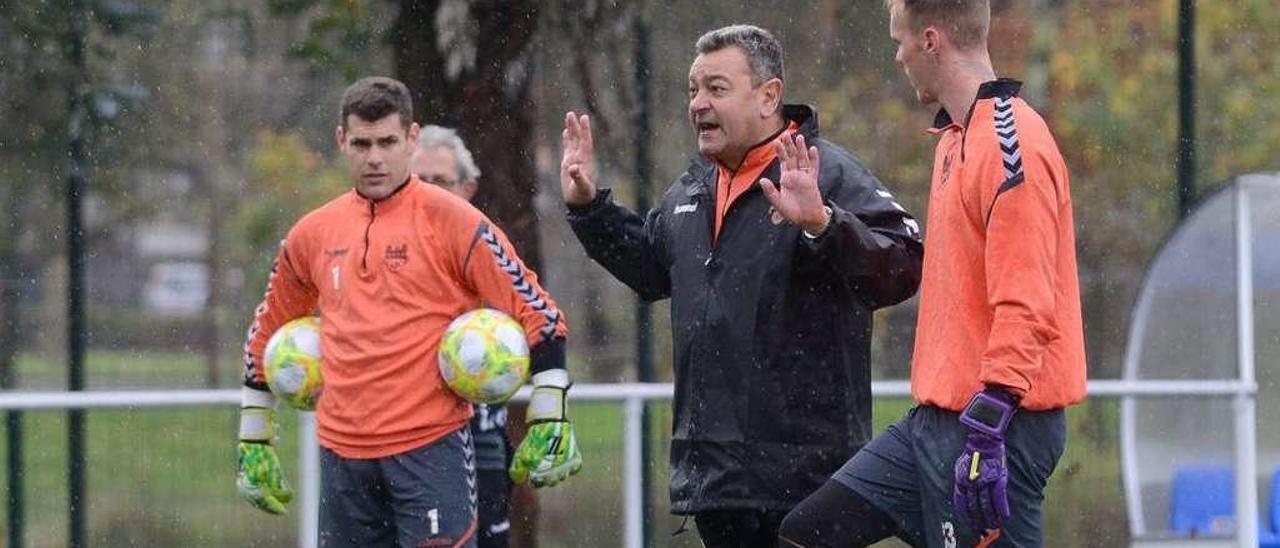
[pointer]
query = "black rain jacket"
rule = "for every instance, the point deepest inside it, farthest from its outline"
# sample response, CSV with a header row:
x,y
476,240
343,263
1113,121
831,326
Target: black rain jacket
x,y
772,329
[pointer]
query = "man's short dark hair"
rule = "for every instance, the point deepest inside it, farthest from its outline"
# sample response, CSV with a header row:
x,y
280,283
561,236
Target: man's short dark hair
x,y
764,53
965,21
376,97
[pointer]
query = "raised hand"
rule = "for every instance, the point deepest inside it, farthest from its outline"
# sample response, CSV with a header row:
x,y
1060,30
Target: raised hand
x,y
796,196
578,163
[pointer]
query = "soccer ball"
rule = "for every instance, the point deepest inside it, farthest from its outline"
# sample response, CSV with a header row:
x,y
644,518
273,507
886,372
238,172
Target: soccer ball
x,y
292,363
484,357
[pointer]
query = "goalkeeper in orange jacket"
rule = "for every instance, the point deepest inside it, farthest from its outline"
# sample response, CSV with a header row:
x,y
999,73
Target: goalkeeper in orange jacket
x,y
389,265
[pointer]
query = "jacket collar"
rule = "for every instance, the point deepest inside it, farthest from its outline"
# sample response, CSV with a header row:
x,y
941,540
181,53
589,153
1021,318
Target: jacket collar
x,y
700,177
1000,87
763,153
804,116
400,195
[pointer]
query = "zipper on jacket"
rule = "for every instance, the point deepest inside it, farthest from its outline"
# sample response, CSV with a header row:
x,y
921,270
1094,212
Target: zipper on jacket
x,y
733,174
724,221
711,222
713,241
364,259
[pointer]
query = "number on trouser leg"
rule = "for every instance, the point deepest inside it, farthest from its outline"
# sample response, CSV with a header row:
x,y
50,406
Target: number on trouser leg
x,y
948,535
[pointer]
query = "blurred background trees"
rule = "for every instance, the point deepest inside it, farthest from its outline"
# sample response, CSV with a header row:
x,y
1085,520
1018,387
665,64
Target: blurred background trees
x,y
212,121
209,129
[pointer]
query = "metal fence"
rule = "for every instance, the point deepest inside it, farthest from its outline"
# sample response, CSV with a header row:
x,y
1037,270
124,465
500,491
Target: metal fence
x,y
632,397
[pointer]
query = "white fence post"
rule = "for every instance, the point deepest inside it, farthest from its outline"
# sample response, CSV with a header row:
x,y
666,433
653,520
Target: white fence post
x,y
309,482
1245,404
633,470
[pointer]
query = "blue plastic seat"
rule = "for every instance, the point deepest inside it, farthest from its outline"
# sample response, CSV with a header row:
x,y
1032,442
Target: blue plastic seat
x,y
1203,501
1275,501
1203,504
1268,539
1269,530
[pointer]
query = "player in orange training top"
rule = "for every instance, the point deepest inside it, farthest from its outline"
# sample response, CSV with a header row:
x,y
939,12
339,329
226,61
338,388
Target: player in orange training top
x,y
999,347
388,266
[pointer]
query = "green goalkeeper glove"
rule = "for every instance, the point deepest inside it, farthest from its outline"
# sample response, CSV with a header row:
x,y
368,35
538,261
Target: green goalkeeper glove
x,y
259,478
549,453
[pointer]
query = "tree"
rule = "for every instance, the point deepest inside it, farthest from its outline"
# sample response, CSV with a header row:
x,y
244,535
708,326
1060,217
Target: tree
x,y
470,65
41,84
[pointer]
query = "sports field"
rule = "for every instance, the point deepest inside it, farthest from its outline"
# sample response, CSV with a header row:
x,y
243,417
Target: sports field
x,y
165,477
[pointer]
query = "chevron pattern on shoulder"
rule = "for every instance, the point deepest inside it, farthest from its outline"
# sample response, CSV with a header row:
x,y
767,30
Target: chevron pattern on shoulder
x,y
1007,134
520,283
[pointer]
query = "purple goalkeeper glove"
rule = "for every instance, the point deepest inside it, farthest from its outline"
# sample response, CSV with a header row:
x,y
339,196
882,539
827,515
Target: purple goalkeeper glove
x,y
981,489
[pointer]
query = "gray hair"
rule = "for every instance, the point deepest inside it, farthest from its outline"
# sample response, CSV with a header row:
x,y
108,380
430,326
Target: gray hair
x,y
764,53
437,136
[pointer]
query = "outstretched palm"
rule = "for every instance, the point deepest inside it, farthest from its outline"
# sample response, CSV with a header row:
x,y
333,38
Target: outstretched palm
x,y
796,196
578,163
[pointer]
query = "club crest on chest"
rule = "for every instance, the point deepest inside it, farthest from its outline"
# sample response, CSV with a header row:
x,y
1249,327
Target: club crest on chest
x,y
396,257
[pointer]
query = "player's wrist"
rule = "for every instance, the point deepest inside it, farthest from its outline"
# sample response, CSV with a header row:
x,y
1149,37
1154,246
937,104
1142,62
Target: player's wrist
x,y
990,411
547,355
1004,393
257,415
547,404
558,378
254,397
257,425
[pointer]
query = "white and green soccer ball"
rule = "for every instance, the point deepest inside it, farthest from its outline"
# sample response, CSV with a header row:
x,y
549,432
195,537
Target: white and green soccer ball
x,y
484,356
292,363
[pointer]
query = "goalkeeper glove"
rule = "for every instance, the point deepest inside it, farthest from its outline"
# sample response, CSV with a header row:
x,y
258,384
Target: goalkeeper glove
x,y
981,477
259,478
549,453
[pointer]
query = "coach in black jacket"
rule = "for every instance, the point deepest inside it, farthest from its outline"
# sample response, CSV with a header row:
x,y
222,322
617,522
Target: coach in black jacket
x,y
772,280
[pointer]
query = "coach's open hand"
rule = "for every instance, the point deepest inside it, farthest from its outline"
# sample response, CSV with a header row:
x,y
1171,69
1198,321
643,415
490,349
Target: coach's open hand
x,y
795,196
578,164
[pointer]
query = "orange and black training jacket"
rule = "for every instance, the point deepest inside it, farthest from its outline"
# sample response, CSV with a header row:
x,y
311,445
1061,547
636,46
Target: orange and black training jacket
x,y
387,278
1000,297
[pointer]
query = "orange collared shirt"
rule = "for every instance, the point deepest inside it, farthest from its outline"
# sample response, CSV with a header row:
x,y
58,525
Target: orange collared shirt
x,y
999,297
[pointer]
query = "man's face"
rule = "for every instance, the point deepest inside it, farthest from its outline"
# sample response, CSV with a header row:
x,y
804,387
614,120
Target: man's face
x,y
727,112
916,62
377,153
439,166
